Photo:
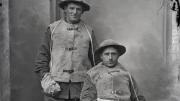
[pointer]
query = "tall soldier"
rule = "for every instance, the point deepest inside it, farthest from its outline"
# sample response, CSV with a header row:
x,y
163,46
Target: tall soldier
x,y
67,49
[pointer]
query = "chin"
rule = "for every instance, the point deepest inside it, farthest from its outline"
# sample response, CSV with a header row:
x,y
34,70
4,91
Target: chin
x,y
74,21
111,65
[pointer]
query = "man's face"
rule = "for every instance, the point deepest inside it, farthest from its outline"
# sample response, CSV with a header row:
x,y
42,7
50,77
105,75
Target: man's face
x,y
110,57
73,13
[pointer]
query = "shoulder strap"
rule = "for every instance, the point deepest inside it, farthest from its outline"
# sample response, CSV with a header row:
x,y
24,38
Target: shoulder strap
x,y
51,42
133,86
92,49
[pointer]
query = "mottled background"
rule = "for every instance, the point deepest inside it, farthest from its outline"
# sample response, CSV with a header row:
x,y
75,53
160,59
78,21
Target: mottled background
x,y
137,24
28,22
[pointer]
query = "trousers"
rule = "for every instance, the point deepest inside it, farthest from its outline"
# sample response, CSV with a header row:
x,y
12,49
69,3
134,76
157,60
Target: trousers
x,y
70,91
53,99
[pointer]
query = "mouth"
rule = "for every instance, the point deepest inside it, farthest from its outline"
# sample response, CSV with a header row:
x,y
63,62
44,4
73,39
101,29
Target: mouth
x,y
110,63
73,16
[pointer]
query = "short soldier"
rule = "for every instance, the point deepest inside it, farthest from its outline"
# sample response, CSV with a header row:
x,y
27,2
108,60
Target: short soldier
x,y
109,80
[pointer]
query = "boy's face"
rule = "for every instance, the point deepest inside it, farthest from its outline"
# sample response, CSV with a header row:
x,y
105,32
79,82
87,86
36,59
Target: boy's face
x,y
110,57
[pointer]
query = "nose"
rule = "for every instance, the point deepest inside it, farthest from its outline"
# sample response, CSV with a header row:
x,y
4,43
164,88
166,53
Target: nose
x,y
110,56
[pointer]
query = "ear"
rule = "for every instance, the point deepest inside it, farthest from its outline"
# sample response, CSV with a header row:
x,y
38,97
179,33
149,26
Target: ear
x,y
82,11
65,7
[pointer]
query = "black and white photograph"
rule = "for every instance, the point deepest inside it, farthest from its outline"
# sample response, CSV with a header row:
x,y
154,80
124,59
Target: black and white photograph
x,y
90,50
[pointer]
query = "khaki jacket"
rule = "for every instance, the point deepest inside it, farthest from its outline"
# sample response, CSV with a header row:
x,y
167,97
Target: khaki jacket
x,y
66,47
69,51
109,83
65,50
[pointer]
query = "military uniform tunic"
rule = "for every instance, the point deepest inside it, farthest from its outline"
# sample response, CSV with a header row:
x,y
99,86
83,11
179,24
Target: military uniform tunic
x,y
114,84
70,47
66,49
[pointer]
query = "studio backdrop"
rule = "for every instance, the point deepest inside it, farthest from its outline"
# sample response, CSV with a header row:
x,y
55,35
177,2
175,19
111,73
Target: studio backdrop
x,y
143,26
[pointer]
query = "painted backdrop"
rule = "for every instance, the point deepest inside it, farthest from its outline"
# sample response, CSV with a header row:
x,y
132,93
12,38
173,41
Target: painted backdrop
x,y
138,24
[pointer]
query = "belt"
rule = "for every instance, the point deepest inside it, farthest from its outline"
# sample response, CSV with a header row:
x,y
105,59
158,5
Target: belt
x,y
73,99
71,48
68,71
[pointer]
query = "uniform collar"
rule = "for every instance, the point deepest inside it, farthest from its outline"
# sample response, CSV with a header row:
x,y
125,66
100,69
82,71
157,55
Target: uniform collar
x,y
118,66
70,26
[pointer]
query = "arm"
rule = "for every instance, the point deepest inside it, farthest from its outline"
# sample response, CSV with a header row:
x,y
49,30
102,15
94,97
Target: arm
x,y
43,56
135,96
88,92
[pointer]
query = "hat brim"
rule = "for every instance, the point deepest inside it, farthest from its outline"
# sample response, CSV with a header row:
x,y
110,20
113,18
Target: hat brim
x,y
85,6
121,50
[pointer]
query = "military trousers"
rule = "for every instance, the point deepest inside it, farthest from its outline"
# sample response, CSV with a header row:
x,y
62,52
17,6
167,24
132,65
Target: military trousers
x,y
70,91
53,99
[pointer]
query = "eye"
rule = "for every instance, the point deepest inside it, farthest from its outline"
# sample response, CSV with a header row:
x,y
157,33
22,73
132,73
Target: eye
x,y
71,8
114,53
106,53
79,9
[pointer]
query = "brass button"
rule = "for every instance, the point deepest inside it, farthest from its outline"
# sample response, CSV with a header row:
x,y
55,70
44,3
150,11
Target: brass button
x,y
112,92
71,48
72,28
119,92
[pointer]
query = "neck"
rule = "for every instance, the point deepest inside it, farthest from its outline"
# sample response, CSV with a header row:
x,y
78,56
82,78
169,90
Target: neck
x,y
72,22
110,66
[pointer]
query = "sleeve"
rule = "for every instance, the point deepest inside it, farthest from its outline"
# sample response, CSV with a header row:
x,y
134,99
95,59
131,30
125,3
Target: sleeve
x,y
88,92
43,56
135,95
92,49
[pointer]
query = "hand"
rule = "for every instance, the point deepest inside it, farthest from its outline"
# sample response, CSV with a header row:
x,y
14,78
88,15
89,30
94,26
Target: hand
x,y
141,98
49,85
54,89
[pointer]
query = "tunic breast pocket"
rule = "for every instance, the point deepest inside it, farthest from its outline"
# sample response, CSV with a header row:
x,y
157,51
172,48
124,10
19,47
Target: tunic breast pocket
x,y
59,39
82,38
121,85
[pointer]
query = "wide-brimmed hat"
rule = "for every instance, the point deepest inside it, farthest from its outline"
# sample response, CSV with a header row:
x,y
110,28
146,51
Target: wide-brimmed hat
x,y
83,3
109,43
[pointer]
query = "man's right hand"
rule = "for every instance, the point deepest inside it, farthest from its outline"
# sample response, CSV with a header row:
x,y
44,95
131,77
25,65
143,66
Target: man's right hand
x,y
50,86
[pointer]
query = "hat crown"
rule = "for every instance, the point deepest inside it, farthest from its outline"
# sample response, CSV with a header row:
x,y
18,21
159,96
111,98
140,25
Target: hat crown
x,y
108,43
75,0
84,3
